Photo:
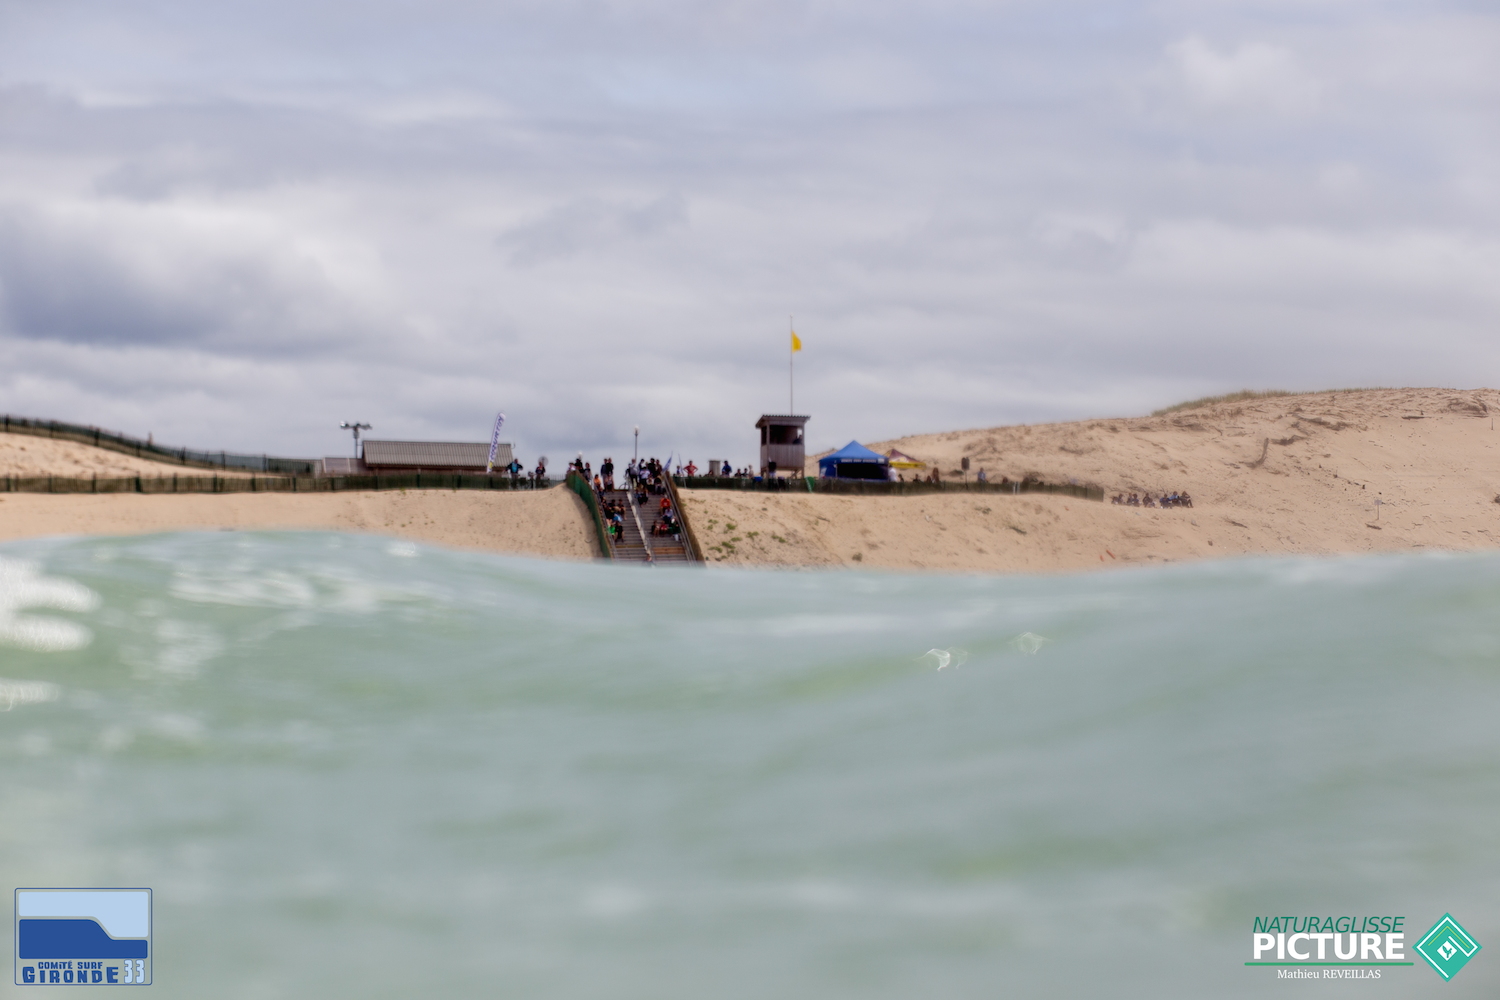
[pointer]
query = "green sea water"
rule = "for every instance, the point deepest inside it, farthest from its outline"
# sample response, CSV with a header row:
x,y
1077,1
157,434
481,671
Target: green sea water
x,y
352,767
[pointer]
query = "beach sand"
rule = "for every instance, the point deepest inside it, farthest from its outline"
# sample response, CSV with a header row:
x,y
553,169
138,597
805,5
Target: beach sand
x,y
553,523
1297,474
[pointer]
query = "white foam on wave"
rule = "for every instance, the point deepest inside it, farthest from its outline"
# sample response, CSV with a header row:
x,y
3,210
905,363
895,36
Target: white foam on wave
x,y
22,585
178,648
1029,642
312,590
944,657
243,587
13,693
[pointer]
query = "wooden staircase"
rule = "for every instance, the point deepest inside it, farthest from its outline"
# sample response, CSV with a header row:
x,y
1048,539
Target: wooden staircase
x,y
637,544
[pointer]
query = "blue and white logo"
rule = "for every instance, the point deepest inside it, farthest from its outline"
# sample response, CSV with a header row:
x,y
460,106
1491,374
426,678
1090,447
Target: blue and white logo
x,y
67,937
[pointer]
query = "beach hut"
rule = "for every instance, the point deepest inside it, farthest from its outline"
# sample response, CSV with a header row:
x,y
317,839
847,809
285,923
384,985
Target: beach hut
x,y
854,461
781,446
470,457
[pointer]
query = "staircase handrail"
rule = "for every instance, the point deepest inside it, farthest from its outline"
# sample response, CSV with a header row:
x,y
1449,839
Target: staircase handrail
x,y
581,486
640,528
689,538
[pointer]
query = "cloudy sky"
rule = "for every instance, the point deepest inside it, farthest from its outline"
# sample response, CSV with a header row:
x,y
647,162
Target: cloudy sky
x,y
235,224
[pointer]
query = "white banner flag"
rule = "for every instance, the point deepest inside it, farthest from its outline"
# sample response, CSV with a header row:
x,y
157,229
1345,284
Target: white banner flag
x,y
494,442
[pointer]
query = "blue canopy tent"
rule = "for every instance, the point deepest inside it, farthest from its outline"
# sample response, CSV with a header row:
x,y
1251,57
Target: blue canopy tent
x,y
854,461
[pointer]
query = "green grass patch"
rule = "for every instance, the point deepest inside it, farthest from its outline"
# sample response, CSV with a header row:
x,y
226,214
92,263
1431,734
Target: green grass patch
x,y
1243,394
1228,397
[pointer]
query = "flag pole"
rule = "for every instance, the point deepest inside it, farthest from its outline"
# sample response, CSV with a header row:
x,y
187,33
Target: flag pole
x,y
791,366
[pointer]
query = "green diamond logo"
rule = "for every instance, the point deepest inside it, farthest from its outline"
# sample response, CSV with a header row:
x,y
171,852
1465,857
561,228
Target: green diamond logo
x,y
1447,947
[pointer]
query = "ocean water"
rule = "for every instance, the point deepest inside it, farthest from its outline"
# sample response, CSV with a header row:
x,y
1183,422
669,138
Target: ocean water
x,y
352,767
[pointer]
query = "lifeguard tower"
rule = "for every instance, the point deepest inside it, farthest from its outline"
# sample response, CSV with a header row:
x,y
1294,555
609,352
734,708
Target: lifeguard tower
x,y
782,451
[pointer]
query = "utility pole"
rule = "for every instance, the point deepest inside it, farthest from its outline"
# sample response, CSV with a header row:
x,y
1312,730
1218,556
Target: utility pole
x,y
356,428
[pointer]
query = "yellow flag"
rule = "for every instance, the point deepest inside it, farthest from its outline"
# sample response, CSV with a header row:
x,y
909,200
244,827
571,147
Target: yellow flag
x,y
796,342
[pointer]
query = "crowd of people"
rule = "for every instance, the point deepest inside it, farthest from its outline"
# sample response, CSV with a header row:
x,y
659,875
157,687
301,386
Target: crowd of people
x,y
643,480
1173,499
646,478
724,471
536,479
649,480
614,518
667,523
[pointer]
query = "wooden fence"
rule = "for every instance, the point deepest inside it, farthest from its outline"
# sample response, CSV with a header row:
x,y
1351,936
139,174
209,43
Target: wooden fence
x,y
127,445
265,484
877,487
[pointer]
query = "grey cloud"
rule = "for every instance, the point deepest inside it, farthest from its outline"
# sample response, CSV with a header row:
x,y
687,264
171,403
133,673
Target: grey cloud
x,y
590,224
1254,77
103,283
978,213
60,289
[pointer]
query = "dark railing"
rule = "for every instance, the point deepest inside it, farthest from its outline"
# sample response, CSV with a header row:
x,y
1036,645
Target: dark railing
x,y
689,538
877,487
263,484
581,486
128,445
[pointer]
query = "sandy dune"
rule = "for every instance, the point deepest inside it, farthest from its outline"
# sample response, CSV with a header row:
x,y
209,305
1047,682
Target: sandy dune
x,y
1397,441
551,522
24,455
1288,474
